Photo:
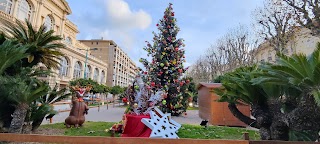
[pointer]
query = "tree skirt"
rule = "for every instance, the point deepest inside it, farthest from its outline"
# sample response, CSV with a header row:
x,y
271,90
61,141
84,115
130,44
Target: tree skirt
x,y
134,127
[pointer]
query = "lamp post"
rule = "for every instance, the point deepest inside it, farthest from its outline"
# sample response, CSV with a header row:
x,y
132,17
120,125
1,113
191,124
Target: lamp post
x,y
85,63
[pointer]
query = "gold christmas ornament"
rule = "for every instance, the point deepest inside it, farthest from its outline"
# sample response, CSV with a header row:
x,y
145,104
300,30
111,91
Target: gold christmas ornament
x,y
135,105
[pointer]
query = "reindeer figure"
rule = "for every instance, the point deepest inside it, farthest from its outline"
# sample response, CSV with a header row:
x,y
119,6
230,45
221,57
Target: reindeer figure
x,y
79,108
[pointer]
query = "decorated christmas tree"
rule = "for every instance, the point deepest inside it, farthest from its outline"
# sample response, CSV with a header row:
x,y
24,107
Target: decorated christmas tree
x,y
165,71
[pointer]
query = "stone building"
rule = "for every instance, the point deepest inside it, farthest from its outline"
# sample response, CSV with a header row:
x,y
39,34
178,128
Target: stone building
x,y
122,69
53,14
302,42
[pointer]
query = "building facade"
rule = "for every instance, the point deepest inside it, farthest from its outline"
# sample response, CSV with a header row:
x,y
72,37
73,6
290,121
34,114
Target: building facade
x,y
302,42
53,14
122,68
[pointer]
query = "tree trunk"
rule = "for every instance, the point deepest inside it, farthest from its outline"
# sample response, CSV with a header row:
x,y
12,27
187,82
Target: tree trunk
x,y
36,123
238,114
18,117
263,120
113,96
279,129
306,117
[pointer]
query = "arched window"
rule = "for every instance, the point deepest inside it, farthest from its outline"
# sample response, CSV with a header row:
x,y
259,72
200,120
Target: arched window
x,y
43,69
24,10
77,70
48,22
68,40
64,67
6,6
270,55
96,74
88,71
102,76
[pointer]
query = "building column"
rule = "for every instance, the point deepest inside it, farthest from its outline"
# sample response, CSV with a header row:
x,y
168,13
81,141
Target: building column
x,y
15,7
83,69
37,15
63,21
71,67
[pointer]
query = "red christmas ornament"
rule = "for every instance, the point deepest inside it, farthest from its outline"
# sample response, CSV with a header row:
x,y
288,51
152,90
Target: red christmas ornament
x,y
153,84
157,24
172,14
180,70
145,72
181,83
187,81
124,100
165,96
176,48
148,87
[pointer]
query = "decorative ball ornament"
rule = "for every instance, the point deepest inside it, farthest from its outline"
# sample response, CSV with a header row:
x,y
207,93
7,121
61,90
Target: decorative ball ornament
x,y
135,105
153,84
164,102
161,124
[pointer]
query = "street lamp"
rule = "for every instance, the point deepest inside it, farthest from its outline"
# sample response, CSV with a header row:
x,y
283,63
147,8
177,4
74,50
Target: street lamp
x,y
85,63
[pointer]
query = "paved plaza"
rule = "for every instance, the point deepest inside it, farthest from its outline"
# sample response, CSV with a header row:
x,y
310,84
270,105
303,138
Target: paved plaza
x,y
114,114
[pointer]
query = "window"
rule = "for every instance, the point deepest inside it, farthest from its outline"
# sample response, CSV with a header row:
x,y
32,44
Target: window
x,y
64,67
96,75
68,40
77,70
24,10
43,69
6,6
270,55
48,22
102,77
88,71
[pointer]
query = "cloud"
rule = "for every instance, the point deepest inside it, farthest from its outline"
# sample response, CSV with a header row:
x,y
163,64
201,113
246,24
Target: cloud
x,y
123,17
110,19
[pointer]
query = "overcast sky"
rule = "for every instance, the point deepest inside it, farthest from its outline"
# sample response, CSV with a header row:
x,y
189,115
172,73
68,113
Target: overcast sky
x,y
130,22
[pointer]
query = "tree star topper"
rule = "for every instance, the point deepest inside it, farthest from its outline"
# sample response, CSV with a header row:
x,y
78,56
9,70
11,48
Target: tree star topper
x,y
161,124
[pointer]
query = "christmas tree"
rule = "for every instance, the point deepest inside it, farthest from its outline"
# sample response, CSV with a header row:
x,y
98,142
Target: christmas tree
x,y
165,71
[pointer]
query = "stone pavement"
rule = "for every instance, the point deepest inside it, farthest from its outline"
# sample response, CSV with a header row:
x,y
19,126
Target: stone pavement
x,y
114,114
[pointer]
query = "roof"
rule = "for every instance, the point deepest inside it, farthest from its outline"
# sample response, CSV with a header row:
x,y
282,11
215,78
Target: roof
x,y
209,85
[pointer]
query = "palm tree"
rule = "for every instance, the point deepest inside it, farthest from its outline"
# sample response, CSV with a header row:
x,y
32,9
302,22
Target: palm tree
x,y
302,73
238,89
10,53
21,93
43,45
45,108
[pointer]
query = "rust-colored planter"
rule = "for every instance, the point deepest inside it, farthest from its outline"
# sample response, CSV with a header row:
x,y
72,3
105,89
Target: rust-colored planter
x,y
217,113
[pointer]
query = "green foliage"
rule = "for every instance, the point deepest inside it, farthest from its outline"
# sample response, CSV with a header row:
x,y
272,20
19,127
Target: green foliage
x,y
10,53
116,90
218,79
186,131
299,136
237,87
297,71
43,46
45,101
21,90
96,87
